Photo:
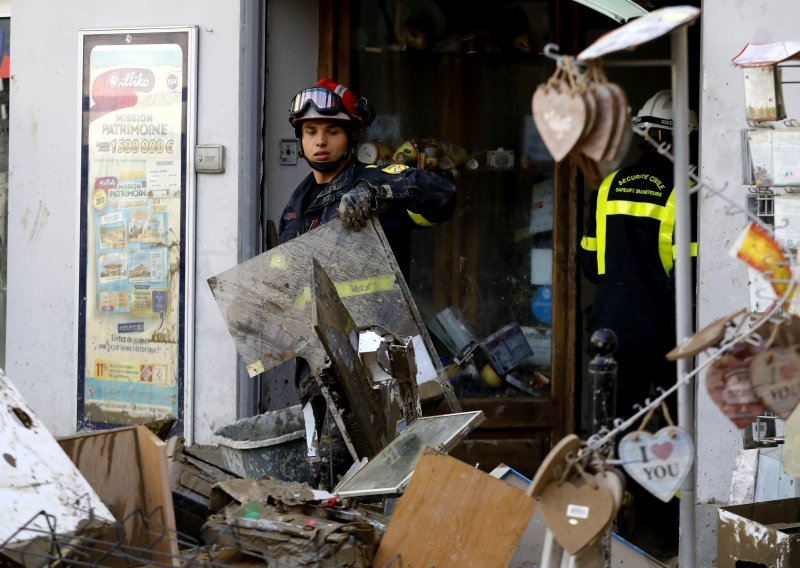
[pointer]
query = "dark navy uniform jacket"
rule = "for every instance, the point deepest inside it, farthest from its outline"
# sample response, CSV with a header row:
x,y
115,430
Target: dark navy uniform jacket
x,y
420,199
628,251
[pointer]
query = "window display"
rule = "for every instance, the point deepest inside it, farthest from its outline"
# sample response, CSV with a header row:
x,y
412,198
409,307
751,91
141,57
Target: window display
x,y
452,90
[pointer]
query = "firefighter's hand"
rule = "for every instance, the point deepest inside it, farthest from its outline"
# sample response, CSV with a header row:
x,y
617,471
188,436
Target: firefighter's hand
x,y
361,202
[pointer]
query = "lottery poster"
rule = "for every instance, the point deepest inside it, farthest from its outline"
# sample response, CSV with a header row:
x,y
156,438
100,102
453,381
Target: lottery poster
x,y
135,96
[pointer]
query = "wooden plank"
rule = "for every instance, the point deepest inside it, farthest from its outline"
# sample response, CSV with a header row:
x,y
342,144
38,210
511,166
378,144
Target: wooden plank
x,y
109,461
565,295
158,495
454,515
326,59
128,469
342,42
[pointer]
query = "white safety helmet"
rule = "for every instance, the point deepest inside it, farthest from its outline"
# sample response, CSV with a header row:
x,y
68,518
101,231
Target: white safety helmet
x,y
657,113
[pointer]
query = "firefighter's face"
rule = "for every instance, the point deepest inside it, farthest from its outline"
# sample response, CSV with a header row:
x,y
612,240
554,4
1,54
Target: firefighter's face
x,y
324,140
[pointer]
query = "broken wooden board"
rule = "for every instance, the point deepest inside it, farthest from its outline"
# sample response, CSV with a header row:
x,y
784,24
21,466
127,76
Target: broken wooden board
x,y
38,479
128,469
266,301
455,515
366,418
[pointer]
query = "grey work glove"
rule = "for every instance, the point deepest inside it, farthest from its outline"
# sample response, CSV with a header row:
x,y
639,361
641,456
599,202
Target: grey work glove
x,y
361,202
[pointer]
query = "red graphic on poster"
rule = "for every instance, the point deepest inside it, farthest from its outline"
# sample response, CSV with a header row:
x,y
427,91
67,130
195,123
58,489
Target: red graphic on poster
x,y
116,89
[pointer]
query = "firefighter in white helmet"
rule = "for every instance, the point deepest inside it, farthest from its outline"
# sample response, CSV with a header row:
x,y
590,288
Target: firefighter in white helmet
x,y
628,251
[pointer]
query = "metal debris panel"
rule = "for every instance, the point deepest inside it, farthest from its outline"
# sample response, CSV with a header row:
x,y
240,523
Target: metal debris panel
x,y
266,301
37,476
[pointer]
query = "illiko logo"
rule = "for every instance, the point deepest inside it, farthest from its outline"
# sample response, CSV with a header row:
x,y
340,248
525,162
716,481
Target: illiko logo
x,y
117,89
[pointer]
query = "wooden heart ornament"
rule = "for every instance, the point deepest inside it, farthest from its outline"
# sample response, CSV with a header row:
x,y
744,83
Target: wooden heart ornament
x,y
775,379
553,464
576,512
710,335
658,462
560,117
728,384
594,143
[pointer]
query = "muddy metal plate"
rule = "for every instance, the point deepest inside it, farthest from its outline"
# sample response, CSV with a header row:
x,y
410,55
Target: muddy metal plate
x,y
389,472
266,301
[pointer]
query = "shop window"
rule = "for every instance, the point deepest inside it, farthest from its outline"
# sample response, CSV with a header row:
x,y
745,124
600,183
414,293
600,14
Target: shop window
x,y
452,89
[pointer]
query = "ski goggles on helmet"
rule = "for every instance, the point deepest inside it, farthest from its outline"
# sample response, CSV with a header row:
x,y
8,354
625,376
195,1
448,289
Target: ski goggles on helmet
x,y
325,102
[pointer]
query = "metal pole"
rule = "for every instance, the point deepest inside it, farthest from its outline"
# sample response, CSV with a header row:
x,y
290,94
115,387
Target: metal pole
x,y
683,276
603,377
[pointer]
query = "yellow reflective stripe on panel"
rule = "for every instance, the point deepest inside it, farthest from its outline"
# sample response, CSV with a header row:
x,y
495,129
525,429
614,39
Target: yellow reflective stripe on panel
x,y
348,288
589,243
635,209
419,219
665,215
600,219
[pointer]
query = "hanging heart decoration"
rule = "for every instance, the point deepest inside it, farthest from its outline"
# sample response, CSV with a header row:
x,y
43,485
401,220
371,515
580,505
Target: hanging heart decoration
x,y
775,379
728,384
577,512
559,116
560,111
622,124
658,462
554,464
709,336
595,142
583,113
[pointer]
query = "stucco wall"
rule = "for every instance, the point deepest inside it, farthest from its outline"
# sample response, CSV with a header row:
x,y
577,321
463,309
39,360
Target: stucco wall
x,y
727,26
44,195
44,192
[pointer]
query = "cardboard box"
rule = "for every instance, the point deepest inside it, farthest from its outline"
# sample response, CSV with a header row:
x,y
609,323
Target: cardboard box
x,y
766,534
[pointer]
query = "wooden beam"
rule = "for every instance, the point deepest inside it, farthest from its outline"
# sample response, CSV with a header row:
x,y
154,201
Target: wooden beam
x,y
565,295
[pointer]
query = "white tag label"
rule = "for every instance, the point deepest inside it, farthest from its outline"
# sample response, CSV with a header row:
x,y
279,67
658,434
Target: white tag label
x,y
578,511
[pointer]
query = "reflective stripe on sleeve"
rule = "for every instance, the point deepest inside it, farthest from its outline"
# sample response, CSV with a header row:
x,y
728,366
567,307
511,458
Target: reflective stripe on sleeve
x,y
589,243
419,219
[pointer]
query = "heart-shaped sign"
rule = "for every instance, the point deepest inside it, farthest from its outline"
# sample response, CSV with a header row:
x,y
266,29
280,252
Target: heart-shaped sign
x,y
712,334
622,121
596,140
560,117
614,480
658,462
576,513
728,384
775,378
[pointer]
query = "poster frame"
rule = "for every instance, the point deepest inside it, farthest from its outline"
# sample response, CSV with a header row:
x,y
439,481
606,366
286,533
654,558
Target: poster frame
x,y
187,38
